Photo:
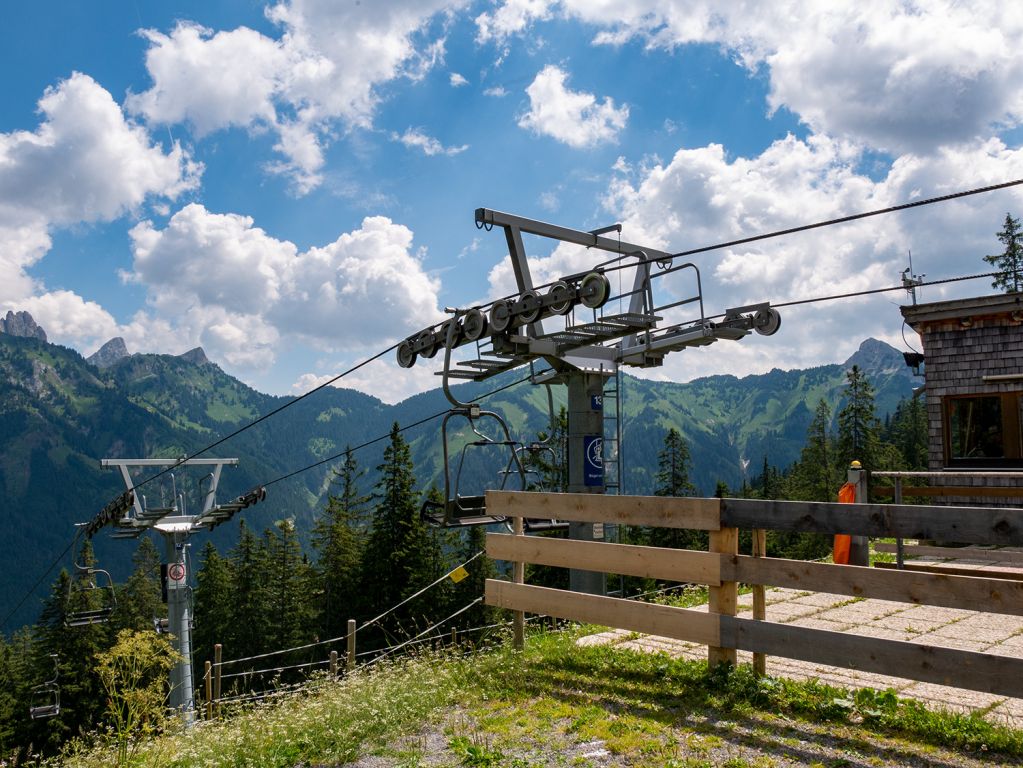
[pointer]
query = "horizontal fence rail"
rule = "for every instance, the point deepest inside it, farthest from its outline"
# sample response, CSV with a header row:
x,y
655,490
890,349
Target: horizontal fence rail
x,y
719,628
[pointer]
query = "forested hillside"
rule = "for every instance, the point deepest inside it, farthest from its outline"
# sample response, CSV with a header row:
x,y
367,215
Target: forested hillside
x,y
60,415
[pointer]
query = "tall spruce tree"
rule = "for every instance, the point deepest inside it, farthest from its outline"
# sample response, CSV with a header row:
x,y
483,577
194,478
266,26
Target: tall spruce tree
x,y
249,617
213,605
1010,261
288,572
673,480
858,426
139,601
814,476
81,697
400,557
908,433
339,537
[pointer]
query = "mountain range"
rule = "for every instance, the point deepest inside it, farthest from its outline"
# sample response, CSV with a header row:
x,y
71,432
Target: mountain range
x,y
61,413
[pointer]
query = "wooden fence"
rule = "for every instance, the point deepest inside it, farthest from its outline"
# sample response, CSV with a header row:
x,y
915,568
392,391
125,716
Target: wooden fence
x,y
722,568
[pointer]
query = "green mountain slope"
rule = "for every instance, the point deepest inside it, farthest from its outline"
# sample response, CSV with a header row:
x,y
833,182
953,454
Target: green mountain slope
x,y
59,415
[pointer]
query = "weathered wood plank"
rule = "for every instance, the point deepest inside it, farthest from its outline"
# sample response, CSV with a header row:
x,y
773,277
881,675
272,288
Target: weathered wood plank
x,y
943,590
959,553
626,559
965,525
949,490
725,598
648,618
939,568
1000,675
759,598
519,577
656,511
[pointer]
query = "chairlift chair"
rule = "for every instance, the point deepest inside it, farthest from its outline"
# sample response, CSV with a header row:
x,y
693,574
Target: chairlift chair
x,y
44,700
87,585
457,509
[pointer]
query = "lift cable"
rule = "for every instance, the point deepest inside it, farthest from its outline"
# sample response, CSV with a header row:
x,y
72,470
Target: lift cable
x,y
366,624
413,425
265,416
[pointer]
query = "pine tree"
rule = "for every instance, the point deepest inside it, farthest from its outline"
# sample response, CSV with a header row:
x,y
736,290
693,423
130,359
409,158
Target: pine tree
x,y
249,619
673,480
400,554
1010,261
673,467
339,539
858,426
81,696
908,432
213,605
139,601
288,576
814,476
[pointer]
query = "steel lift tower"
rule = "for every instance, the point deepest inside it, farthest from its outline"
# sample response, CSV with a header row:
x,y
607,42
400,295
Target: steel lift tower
x,y
587,347
132,516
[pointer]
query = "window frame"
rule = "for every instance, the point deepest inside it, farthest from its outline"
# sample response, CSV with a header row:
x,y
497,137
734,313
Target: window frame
x,y
1012,435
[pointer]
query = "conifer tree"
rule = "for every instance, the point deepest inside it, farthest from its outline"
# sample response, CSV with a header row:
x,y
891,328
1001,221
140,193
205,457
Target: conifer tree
x,y
339,539
249,619
400,554
81,696
213,605
673,480
1010,261
139,601
858,426
814,475
288,577
908,432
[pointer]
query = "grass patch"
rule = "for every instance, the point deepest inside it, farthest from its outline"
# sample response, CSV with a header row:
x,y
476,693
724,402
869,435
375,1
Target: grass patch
x,y
560,704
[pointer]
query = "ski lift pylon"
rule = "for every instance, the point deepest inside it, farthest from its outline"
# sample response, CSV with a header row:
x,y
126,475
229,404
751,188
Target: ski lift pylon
x,y
45,697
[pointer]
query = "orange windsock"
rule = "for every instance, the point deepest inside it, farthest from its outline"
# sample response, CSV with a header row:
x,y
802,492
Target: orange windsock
x,y
840,552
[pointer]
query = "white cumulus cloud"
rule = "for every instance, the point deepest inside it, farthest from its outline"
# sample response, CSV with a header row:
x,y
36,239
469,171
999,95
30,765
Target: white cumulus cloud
x,y
905,77
702,197
228,285
575,118
320,73
415,138
84,163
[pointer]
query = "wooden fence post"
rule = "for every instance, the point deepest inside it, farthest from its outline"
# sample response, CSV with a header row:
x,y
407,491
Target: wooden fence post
x,y
350,661
218,655
759,599
333,664
724,599
519,577
208,676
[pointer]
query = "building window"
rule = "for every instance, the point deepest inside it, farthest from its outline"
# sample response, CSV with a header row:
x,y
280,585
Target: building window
x,y
983,430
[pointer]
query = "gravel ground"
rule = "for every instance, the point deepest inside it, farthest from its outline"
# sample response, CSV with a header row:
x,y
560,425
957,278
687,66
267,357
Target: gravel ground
x,y
757,741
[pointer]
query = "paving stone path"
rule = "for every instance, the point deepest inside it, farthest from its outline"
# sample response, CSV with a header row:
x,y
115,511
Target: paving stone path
x,y
948,627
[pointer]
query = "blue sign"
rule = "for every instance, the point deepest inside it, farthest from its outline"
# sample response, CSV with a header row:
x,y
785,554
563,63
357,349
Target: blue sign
x,y
596,402
593,462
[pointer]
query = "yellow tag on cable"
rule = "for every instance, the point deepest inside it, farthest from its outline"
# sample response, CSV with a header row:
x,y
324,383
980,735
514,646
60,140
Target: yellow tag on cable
x,y
458,574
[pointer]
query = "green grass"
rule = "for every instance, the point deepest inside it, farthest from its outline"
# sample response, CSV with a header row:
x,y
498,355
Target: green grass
x,y
515,709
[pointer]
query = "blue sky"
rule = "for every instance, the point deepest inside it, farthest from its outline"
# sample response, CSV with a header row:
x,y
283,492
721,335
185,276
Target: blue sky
x,y
292,185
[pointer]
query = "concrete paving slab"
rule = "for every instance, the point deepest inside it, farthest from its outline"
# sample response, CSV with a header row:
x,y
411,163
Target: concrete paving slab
x,y
958,643
945,627
983,635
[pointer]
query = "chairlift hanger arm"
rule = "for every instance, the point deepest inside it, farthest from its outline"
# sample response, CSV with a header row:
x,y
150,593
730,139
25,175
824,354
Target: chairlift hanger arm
x,y
488,217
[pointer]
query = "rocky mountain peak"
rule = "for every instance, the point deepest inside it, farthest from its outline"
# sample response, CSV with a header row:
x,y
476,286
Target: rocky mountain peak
x,y
875,357
195,356
21,324
109,353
